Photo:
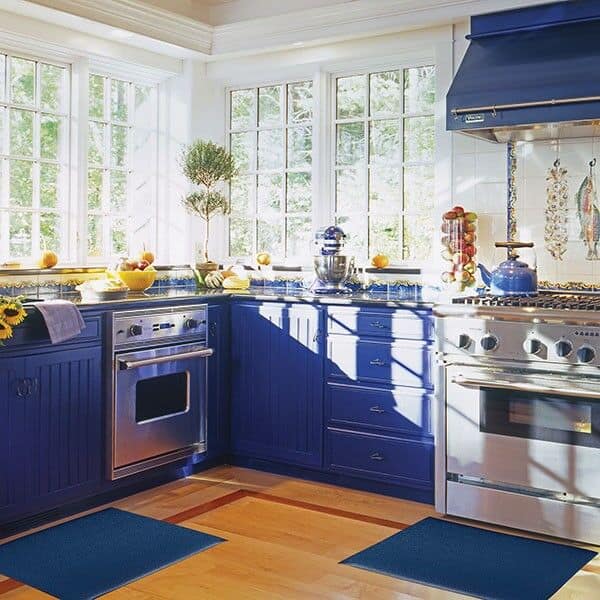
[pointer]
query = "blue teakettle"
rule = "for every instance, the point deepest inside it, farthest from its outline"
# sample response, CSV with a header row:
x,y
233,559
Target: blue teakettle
x,y
512,277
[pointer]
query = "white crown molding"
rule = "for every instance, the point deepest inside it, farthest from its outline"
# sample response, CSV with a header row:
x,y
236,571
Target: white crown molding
x,y
141,18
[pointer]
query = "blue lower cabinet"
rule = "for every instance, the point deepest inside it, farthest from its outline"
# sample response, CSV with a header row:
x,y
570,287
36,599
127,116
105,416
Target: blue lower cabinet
x,y
277,382
218,417
406,462
51,426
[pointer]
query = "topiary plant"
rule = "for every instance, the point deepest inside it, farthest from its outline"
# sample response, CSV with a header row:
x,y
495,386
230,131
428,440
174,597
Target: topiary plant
x,y
206,165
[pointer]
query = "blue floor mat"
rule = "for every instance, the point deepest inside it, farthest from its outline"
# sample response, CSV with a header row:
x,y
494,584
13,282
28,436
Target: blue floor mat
x,y
100,552
473,561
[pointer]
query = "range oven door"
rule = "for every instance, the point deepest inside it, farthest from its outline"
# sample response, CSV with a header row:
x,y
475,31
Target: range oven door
x,y
524,429
159,406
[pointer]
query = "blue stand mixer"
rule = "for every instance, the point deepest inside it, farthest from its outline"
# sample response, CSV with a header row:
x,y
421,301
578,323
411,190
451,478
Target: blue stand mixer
x,y
332,268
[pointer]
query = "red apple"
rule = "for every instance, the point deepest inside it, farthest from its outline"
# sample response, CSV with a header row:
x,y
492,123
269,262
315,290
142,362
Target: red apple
x,y
143,264
459,210
470,237
470,250
450,215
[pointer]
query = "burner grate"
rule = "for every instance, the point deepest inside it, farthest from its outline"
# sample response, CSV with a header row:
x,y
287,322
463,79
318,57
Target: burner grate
x,y
543,300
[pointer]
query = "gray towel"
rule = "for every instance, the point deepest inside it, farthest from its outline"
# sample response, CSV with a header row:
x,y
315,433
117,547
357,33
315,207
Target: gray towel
x,y
63,319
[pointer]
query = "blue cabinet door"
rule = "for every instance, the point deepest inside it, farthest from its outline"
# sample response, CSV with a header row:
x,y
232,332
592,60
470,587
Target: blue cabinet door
x,y
54,420
277,382
218,381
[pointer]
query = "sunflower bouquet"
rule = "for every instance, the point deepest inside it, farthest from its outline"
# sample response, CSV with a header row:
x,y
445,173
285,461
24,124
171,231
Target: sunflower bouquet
x,y
12,314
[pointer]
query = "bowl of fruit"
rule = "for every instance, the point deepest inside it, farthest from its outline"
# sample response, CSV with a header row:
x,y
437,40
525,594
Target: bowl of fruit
x,y
137,274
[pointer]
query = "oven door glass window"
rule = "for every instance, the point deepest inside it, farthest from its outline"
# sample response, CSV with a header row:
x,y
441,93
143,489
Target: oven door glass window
x,y
161,397
561,419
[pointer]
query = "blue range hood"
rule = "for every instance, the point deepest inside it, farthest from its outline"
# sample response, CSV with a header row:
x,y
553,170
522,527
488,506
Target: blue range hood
x,y
530,74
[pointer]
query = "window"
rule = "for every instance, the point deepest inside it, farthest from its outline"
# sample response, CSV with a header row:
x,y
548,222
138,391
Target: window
x,y
384,162
270,138
122,165
34,157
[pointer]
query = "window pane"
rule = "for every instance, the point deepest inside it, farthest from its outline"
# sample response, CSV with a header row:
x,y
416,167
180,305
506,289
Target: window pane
x,y
145,98
52,82
270,149
356,232
97,131
350,143
94,189
269,105
419,189
385,92
21,132
242,109
240,237
299,192
118,147
300,101
269,237
384,189
94,235
22,81
299,236
418,233
418,139
2,76
384,236
270,192
49,185
242,149
351,97
299,147
119,91
118,191
350,190
419,90
242,195
50,231
3,128
96,97
21,183
118,236
19,235
51,129
385,147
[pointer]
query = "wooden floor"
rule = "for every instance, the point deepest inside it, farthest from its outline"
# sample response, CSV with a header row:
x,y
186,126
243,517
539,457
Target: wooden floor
x,y
285,540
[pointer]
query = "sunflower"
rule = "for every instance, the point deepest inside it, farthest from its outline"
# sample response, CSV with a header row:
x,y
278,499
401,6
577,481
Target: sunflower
x,y
12,313
5,330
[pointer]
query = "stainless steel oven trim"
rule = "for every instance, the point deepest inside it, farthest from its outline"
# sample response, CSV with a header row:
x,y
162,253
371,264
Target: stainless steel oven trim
x,y
136,364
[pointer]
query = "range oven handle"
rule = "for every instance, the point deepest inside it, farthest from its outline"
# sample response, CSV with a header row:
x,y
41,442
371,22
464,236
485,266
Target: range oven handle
x,y
136,364
524,387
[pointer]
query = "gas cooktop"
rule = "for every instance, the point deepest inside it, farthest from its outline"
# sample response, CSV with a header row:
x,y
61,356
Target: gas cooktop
x,y
543,300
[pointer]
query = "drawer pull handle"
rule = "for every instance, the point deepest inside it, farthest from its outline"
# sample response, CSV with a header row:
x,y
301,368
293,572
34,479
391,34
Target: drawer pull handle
x,y
377,409
377,362
376,456
377,324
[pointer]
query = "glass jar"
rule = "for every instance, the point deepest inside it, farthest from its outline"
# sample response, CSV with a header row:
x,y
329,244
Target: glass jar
x,y
459,234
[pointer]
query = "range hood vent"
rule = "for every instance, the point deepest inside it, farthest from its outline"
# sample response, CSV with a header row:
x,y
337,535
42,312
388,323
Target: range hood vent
x,y
530,74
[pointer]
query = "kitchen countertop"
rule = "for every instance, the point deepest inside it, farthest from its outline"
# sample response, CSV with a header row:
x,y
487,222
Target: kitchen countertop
x,y
158,297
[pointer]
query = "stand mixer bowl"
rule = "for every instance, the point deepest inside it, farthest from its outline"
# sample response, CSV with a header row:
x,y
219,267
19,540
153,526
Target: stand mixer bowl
x,y
333,271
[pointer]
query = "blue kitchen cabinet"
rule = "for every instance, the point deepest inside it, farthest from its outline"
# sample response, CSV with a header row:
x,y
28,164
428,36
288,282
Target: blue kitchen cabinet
x,y
277,382
51,426
218,332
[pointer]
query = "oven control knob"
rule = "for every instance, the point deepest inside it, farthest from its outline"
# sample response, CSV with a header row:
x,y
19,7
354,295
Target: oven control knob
x,y
191,324
563,348
464,341
585,354
135,330
532,346
489,342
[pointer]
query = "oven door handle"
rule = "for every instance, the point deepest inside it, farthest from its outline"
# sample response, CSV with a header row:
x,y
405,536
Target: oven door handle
x,y
524,387
145,362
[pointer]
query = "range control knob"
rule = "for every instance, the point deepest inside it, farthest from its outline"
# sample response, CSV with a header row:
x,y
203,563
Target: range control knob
x,y
464,341
191,324
563,348
489,342
135,330
585,354
532,346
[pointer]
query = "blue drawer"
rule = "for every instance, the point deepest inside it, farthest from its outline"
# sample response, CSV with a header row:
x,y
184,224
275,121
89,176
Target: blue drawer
x,y
380,457
400,363
401,324
400,410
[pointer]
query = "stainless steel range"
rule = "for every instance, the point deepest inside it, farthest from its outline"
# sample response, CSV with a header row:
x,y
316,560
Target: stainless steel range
x,y
158,412
518,397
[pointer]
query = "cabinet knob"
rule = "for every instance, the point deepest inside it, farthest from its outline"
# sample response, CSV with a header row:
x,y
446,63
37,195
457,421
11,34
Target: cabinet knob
x,y
377,324
376,409
376,456
377,362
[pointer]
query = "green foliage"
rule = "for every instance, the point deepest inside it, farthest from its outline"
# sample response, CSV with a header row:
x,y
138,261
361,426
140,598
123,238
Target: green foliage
x,y
205,204
206,164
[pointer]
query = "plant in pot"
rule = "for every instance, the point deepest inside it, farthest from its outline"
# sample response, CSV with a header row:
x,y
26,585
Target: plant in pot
x,y
207,165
